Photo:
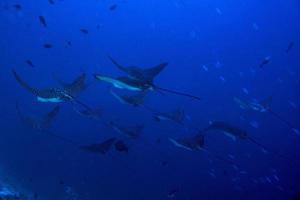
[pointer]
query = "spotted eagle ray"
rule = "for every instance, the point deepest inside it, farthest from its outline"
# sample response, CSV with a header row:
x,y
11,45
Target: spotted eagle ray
x,y
265,106
139,73
139,79
132,132
196,143
53,95
237,133
138,85
42,123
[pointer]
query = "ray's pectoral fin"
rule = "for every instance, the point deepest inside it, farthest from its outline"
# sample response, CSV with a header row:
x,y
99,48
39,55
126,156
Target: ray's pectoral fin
x,y
25,85
151,73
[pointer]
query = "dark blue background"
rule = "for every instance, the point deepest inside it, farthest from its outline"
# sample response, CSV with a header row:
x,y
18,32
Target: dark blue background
x,y
187,34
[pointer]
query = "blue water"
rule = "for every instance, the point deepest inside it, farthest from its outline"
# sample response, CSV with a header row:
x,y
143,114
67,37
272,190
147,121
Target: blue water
x,y
214,49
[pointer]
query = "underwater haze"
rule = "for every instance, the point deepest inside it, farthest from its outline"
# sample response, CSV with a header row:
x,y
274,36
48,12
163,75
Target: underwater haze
x,y
149,100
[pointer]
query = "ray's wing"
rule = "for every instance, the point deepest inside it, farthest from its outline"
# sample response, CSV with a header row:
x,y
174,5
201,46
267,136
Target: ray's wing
x,y
49,117
77,85
122,68
24,84
151,73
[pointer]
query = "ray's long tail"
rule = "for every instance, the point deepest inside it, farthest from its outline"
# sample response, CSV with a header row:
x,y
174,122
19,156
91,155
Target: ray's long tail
x,y
221,158
281,119
177,93
279,155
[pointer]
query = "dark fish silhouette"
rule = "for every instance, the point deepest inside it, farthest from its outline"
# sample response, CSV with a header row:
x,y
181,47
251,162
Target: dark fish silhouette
x,y
121,146
130,131
43,21
17,7
48,46
102,148
113,7
84,31
51,2
134,100
29,62
290,47
265,61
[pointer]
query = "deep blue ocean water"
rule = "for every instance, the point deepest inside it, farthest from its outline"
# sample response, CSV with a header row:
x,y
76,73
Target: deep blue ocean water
x,y
214,49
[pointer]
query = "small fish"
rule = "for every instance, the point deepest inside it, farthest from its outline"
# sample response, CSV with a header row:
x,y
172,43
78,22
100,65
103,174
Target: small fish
x,y
51,2
265,61
43,21
113,7
29,62
17,7
204,67
48,46
84,31
290,47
